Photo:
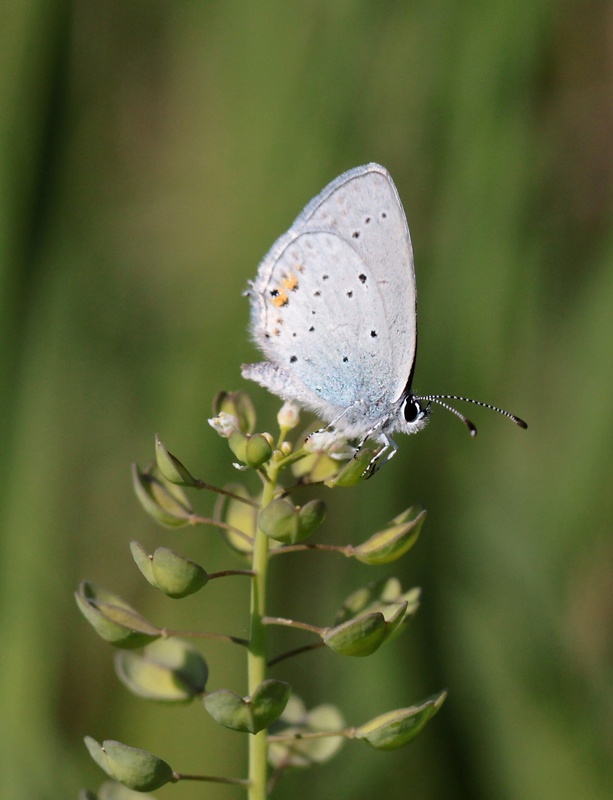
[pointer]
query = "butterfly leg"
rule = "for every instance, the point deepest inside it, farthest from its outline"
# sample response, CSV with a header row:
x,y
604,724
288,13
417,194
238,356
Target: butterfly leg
x,y
331,425
341,440
388,449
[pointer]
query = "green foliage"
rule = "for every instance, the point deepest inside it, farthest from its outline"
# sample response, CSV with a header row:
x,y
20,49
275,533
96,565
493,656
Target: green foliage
x,y
169,670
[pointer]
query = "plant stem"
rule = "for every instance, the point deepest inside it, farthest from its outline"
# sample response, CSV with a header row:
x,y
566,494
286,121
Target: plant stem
x,y
296,652
257,652
210,779
292,623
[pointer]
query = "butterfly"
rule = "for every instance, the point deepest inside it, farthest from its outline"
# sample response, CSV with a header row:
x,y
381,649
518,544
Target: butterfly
x,y
333,309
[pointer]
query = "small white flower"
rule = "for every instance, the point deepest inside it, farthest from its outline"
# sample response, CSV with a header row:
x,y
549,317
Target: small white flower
x,y
342,451
330,443
225,424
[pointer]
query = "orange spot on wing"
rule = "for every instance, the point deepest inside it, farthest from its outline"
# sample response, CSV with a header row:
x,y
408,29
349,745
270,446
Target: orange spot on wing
x,y
290,283
280,299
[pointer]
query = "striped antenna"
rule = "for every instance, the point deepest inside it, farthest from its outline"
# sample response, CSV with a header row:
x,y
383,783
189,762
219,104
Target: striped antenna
x,y
440,398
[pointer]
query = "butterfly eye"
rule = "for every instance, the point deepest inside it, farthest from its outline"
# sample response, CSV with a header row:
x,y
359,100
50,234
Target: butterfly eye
x,y
411,410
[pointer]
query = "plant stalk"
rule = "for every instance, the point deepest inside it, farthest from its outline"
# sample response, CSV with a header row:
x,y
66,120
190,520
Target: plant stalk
x,y
257,651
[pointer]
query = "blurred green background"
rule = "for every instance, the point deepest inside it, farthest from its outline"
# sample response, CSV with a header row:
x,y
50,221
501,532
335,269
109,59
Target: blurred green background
x,y
151,153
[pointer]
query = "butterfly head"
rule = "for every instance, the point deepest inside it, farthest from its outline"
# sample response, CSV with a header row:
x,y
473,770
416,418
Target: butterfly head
x,y
413,414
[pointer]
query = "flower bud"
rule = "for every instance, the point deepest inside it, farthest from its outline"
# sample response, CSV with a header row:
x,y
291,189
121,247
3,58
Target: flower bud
x,y
288,416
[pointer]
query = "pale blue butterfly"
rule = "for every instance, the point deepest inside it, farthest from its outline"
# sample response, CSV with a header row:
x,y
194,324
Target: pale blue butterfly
x,y
333,308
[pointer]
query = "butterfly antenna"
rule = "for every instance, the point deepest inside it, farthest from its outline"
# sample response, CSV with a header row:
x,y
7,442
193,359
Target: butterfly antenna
x,y
439,398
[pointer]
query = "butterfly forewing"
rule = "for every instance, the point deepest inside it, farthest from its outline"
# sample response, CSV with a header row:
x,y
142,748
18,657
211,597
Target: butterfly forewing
x,y
336,303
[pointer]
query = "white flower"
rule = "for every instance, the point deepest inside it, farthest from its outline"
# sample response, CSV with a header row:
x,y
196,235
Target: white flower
x,y
225,424
329,442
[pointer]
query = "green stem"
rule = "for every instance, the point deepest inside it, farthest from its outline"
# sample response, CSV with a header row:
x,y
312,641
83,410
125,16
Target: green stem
x,y
348,733
296,652
257,652
292,623
179,776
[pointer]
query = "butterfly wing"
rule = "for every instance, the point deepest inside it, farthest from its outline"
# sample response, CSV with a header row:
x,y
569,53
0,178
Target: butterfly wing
x,y
333,304
364,207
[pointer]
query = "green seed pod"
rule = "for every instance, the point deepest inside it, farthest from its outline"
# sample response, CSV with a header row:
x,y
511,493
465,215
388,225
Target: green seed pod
x,y
355,470
393,542
168,670
279,520
241,517
164,501
136,769
249,714
396,728
176,575
357,637
258,450
113,619
316,468
365,634
238,444
305,752
284,522
311,515
170,467
169,572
